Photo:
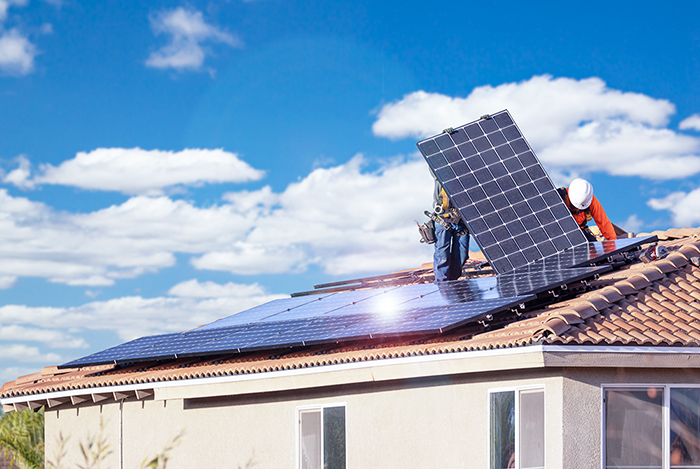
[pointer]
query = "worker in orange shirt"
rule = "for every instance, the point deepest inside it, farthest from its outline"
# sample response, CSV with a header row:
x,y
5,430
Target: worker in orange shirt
x,y
585,207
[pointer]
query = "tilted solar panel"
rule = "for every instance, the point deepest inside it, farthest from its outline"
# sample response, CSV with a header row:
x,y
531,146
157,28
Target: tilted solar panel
x,y
112,354
592,252
502,192
266,311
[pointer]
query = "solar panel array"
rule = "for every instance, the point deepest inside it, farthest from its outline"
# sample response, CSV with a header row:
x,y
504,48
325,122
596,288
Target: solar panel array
x,y
502,192
509,204
388,314
345,316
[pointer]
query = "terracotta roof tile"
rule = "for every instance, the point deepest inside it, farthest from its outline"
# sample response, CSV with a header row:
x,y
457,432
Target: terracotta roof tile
x,y
637,282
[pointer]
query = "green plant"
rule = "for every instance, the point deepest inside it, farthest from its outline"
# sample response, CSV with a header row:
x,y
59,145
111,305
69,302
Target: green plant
x,y
95,449
160,460
22,438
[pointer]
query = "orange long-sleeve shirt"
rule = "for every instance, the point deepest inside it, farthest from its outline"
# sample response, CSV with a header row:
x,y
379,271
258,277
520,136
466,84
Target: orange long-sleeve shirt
x,y
599,217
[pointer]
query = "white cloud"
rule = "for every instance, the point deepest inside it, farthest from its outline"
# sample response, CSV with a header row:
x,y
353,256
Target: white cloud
x,y
23,353
684,207
633,224
20,176
340,218
16,53
5,5
692,122
137,171
343,219
194,289
129,317
188,31
52,338
573,125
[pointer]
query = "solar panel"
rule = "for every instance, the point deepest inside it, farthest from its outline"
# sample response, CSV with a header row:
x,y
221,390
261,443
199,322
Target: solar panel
x,y
177,343
112,354
593,252
266,311
502,192
338,304
409,309
433,319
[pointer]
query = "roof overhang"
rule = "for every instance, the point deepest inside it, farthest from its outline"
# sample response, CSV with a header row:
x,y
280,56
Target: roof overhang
x,y
419,366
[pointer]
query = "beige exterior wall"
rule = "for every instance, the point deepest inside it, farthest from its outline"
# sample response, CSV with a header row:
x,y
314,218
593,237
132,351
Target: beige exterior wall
x,y
582,409
439,420
427,423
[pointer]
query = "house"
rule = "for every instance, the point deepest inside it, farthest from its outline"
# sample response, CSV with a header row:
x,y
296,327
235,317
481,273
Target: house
x,y
604,374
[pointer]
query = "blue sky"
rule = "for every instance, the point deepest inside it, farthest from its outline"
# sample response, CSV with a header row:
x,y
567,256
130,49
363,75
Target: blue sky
x,y
167,163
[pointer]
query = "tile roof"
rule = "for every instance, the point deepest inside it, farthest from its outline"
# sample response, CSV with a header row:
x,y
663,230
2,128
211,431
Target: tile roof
x,y
642,304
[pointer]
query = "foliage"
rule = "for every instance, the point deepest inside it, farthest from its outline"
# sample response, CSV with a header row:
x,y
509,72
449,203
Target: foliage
x,y
22,438
95,450
160,460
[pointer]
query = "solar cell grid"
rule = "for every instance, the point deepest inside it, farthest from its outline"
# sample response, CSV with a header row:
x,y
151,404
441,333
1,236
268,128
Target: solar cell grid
x,y
264,311
113,354
179,343
337,304
503,178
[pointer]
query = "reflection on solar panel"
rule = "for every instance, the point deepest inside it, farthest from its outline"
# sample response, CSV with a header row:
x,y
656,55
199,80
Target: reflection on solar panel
x,y
408,310
502,192
509,204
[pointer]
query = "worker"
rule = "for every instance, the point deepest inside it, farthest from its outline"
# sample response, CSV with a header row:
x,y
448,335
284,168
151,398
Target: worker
x,y
451,238
584,206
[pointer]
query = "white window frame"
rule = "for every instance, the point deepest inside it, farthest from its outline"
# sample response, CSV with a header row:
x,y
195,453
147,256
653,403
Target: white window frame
x,y
666,415
319,407
517,390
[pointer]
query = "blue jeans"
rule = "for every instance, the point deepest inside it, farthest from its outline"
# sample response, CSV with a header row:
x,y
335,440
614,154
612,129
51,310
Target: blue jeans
x,y
451,252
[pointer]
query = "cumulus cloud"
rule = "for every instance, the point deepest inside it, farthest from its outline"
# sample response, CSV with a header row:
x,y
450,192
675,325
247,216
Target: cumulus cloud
x,y
16,53
23,353
684,207
192,304
188,32
128,317
51,338
692,122
311,222
194,289
137,171
6,4
574,125
633,224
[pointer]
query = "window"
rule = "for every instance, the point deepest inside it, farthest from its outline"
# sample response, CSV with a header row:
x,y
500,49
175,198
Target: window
x,y
517,428
652,426
322,438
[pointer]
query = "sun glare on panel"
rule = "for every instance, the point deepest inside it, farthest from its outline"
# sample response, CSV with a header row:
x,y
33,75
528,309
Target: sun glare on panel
x,y
386,307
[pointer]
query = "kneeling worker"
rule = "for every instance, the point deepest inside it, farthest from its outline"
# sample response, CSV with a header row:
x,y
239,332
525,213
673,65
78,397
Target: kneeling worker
x,y
584,206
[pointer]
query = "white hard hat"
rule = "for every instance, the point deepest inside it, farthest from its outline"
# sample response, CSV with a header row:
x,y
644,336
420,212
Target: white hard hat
x,y
580,193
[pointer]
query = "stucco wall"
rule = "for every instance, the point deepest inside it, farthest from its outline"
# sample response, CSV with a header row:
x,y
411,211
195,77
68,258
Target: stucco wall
x,y
582,406
429,422
424,423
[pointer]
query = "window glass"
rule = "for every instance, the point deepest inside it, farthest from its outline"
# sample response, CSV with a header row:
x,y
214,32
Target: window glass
x,y
502,410
310,439
334,438
531,425
633,428
685,427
